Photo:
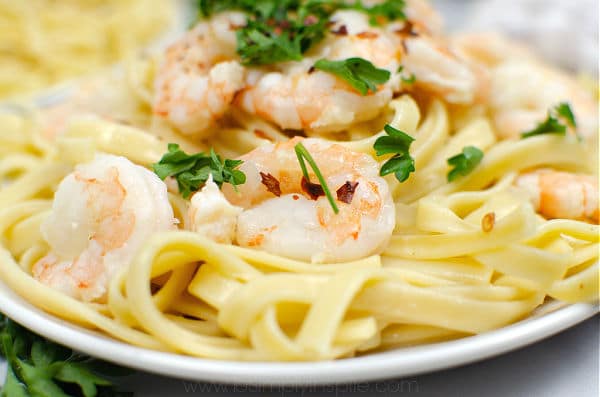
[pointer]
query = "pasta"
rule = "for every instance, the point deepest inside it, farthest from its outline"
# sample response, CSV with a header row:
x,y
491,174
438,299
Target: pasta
x,y
39,46
465,257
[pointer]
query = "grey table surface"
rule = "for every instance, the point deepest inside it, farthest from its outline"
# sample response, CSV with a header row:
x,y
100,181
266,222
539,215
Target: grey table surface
x,y
566,364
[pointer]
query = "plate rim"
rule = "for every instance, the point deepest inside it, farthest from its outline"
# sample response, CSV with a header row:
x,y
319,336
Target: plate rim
x,y
398,363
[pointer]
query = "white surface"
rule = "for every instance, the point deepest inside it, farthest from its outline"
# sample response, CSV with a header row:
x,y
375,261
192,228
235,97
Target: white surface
x,y
402,362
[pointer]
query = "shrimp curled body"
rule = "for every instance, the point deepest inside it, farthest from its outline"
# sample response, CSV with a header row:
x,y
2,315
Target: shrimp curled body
x,y
288,221
101,215
557,194
200,76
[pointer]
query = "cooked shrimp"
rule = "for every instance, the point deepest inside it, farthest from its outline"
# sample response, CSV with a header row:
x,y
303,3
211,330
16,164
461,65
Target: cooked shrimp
x,y
522,89
101,215
442,72
200,75
295,96
557,194
212,215
298,97
283,218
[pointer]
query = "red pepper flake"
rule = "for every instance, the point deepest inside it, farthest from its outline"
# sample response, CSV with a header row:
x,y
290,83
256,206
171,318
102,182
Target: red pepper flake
x,y
346,192
310,20
311,70
341,31
314,190
262,135
367,35
408,30
488,221
271,183
296,197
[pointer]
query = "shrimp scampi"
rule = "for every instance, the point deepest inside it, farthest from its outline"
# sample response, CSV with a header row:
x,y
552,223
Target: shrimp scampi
x,y
101,215
283,217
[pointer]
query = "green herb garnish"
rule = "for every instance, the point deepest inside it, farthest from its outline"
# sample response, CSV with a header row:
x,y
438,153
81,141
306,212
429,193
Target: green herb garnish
x,y
192,171
283,30
37,367
554,122
564,110
359,73
302,154
464,162
407,80
398,143
389,10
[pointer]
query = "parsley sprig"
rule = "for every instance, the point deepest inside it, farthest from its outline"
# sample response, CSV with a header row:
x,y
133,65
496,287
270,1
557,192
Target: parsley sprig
x,y
359,73
464,163
37,367
192,171
398,143
557,121
283,30
303,154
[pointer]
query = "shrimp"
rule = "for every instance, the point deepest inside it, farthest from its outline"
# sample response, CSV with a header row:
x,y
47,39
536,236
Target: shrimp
x,y
212,215
101,215
295,96
200,75
282,217
557,194
523,89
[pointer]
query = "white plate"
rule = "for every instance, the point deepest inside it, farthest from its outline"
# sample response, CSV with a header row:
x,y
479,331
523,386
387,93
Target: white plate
x,y
552,319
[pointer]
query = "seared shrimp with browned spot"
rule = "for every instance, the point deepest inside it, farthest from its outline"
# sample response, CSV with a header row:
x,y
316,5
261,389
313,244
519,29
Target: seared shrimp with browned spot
x,y
286,215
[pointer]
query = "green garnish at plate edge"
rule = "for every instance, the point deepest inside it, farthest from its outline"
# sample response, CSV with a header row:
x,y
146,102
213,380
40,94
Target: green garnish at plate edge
x,y
37,367
397,143
464,163
193,171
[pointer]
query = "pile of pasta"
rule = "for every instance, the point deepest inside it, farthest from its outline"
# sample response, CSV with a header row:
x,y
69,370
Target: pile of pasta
x,y
466,257
45,42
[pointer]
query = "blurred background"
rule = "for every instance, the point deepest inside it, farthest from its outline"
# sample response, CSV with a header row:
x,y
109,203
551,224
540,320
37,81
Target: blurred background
x,y
43,42
563,32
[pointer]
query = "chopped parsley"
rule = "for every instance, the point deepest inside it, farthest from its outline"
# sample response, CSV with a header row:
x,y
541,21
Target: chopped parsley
x,y
557,121
398,143
406,80
283,30
303,154
359,73
464,163
192,171
37,367
389,10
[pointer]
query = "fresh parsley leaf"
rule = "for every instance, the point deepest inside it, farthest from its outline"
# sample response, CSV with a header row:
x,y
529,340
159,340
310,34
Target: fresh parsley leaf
x,y
303,154
389,10
192,171
283,30
564,110
359,73
553,123
464,163
37,367
398,143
